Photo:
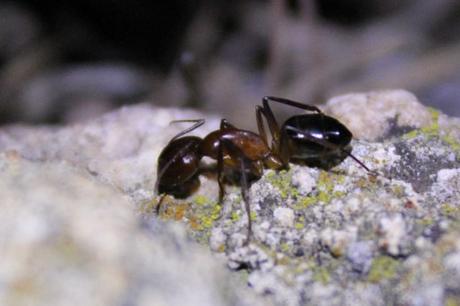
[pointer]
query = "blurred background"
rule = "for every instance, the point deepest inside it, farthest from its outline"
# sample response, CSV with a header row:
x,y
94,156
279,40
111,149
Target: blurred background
x,y
67,61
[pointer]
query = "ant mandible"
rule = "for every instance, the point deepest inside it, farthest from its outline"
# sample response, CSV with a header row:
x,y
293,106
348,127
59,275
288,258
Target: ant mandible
x,y
306,137
233,148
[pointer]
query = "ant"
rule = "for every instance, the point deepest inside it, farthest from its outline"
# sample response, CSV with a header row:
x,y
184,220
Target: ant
x,y
302,138
236,149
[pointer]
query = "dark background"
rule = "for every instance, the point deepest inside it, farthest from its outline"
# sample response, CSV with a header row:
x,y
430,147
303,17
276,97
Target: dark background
x,y
73,60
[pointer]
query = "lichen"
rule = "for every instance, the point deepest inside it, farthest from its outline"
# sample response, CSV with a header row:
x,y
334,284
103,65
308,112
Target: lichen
x,y
282,181
452,301
430,131
305,202
149,206
320,274
452,143
201,200
326,183
449,210
235,216
204,213
285,247
300,223
382,268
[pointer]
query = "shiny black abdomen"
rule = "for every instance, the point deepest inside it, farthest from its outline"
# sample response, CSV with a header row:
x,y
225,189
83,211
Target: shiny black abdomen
x,y
178,162
299,131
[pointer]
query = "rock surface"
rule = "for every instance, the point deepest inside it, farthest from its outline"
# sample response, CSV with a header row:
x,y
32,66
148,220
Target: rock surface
x,y
67,239
74,197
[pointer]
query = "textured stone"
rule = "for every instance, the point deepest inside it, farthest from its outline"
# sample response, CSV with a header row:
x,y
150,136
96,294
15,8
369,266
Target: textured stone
x,y
336,237
378,114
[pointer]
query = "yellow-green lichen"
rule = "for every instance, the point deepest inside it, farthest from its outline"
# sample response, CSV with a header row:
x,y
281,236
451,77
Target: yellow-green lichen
x,y
326,183
433,130
235,216
449,210
426,221
300,223
221,248
430,130
285,247
452,143
382,268
201,200
320,274
412,134
204,213
305,202
452,301
282,181
148,206
325,191
299,226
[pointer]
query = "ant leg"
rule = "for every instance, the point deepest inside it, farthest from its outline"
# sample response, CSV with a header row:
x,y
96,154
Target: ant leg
x,y
157,208
260,124
307,107
271,121
220,172
235,151
273,126
198,123
276,145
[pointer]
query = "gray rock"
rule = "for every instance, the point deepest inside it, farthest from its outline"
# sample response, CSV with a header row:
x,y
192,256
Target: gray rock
x,y
337,237
68,239
360,255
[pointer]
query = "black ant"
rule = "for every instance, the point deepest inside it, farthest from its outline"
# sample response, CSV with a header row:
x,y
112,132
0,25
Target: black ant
x,y
306,137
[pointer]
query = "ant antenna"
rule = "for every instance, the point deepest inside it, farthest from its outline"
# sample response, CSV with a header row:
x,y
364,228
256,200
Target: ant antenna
x,y
198,123
357,160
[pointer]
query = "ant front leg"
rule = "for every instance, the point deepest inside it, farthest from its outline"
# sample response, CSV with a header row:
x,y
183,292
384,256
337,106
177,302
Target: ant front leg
x,y
273,125
276,145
